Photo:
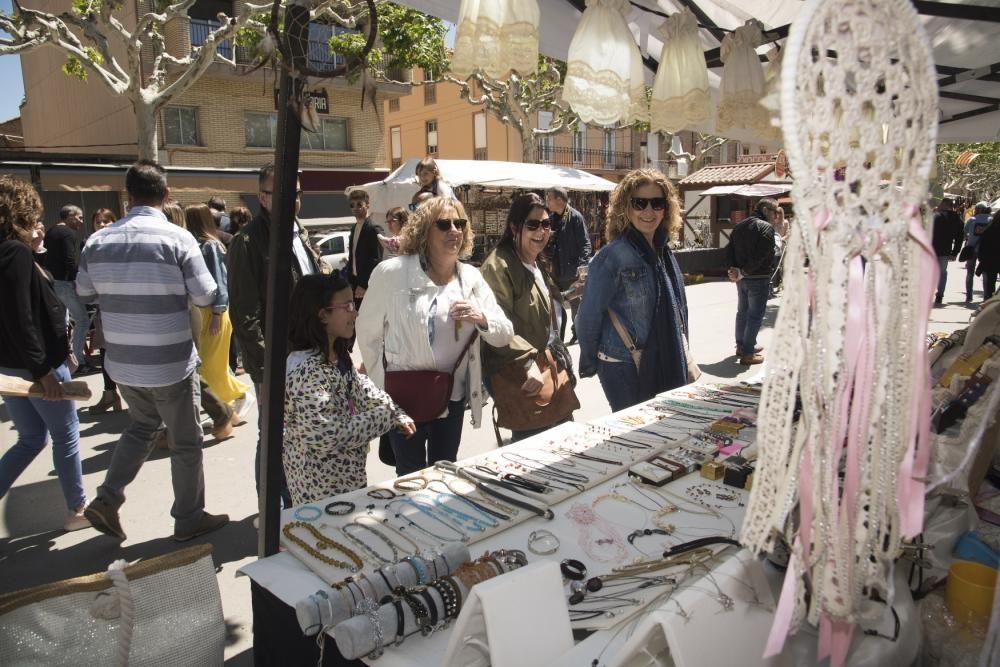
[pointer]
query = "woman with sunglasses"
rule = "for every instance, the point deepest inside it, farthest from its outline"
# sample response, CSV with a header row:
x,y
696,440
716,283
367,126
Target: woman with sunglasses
x,y
420,313
332,412
520,276
394,221
634,284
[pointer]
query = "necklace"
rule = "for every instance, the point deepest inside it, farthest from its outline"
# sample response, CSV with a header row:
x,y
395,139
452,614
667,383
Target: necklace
x,y
399,515
606,538
322,542
378,558
415,548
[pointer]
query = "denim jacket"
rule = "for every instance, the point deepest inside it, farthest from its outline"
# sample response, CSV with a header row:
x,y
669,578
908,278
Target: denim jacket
x,y
620,279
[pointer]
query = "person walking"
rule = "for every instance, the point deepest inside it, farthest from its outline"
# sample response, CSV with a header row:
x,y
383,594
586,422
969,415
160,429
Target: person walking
x,y
34,346
248,267
332,412
421,312
974,228
752,256
989,257
62,260
946,237
365,251
152,359
110,400
635,290
568,249
519,274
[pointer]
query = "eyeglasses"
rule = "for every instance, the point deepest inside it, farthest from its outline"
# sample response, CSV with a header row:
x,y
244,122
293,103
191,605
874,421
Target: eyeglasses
x,y
358,204
640,203
532,225
348,306
444,224
395,218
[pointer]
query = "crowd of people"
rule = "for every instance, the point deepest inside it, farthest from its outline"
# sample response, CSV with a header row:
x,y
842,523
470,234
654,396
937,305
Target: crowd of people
x,y
181,293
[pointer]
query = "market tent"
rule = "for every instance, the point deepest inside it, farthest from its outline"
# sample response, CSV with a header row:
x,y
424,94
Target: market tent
x,y
398,188
963,37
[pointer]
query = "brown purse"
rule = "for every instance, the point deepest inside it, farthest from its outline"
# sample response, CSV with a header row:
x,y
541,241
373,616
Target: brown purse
x,y
516,411
423,395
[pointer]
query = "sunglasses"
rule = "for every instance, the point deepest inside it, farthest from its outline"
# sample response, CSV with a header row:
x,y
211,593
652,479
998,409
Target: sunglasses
x,y
444,224
640,203
348,306
532,225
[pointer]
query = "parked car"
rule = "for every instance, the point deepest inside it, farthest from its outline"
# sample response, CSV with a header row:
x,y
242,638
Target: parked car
x,y
333,249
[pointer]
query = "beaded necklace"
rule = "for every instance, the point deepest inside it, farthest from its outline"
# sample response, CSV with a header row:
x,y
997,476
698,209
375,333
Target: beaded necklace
x,y
322,542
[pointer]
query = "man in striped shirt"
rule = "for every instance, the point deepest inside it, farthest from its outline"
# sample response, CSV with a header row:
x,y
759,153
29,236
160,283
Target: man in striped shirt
x,y
142,270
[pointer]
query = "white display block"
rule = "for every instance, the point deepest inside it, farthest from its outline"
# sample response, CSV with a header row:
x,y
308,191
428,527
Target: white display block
x,y
516,620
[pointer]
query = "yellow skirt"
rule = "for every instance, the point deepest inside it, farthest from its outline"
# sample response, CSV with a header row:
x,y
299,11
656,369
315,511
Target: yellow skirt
x,y
214,353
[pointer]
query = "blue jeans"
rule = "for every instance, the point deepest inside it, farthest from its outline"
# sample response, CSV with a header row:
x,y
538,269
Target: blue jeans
x,y
752,294
286,496
66,291
35,419
620,382
433,441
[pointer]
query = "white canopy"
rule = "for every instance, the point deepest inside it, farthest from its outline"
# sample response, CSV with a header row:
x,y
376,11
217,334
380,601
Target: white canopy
x,y
963,37
398,188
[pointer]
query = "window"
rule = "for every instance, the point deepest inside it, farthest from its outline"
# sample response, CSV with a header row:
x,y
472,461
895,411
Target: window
x,y
261,131
180,126
609,148
394,104
396,147
545,152
479,136
432,137
579,142
332,246
430,89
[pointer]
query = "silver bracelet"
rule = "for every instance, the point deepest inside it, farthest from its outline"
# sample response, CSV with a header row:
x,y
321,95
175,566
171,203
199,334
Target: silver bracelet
x,y
370,608
542,542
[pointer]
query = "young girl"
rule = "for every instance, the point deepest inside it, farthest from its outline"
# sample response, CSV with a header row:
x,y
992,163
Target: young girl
x,y
331,411
429,179
394,221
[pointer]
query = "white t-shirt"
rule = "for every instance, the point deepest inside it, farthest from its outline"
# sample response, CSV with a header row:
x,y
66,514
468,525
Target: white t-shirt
x,y
556,307
445,344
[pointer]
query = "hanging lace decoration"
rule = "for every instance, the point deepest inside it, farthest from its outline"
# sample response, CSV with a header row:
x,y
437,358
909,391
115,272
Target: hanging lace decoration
x,y
742,85
680,90
495,37
604,75
859,113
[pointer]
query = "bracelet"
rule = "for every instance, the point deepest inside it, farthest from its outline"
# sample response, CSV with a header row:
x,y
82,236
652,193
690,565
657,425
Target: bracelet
x,y
573,569
382,494
415,483
418,567
346,504
400,620
420,612
370,608
546,538
431,605
305,513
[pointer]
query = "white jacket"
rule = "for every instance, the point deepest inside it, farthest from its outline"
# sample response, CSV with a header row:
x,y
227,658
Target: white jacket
x,y
394,314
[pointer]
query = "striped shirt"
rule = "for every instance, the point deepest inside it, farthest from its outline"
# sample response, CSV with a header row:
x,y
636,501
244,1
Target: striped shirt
x,y
142,270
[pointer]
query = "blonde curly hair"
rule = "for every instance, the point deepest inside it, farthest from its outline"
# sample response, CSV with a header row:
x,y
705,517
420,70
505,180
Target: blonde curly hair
x,y
413,238
621,202
20,210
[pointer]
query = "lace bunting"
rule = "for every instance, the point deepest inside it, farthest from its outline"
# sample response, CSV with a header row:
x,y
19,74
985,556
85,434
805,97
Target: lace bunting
x,y
859,113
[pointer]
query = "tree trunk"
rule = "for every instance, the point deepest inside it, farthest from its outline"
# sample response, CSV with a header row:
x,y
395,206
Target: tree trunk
x,y
529,147
145,126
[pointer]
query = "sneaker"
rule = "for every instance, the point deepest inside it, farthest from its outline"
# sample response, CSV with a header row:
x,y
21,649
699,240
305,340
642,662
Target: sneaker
x,y
104,518
208,523
756,348
241,406
76,521
751,359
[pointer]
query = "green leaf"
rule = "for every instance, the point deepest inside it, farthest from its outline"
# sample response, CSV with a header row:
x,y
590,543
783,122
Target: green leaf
x,y
74,68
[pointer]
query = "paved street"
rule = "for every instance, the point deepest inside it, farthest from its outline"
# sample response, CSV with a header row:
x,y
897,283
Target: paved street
x,y
35,550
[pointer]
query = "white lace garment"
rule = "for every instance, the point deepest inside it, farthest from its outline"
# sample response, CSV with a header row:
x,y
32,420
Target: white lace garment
x,y
495,37
680,90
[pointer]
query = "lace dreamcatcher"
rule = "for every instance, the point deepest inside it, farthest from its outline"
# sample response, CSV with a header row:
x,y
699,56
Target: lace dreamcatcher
x,y
859,112
604,76
495,37
742,85
680,90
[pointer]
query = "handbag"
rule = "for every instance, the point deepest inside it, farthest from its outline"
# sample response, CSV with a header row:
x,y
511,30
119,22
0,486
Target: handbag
x,y
163,611
423,395
693,371
515,410
967,254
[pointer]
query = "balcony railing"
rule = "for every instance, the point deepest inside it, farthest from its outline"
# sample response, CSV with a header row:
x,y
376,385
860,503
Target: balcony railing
x,y
200,30
478,153
584,158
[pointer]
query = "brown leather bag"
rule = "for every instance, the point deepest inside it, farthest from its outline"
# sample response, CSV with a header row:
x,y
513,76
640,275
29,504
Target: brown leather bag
x,y
519,412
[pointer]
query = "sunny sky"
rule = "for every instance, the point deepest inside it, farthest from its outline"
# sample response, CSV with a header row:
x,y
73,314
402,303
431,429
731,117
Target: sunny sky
x,y
10,80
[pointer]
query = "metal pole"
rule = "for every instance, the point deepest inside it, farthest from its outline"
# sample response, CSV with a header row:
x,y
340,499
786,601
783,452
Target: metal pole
x,y
279,276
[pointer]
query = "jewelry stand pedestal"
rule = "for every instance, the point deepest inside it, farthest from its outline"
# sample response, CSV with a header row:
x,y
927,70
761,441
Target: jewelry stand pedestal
x,y
517,620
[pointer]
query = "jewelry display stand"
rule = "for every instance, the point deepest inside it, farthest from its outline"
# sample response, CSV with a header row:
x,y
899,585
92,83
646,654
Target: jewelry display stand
x,y
518,620
689,622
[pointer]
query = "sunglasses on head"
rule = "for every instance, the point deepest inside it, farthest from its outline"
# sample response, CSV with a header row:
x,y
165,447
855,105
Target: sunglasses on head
x,y
640,203
532,225
444,224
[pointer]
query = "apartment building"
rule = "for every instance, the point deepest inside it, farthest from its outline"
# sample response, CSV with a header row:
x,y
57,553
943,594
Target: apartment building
x,y
218,132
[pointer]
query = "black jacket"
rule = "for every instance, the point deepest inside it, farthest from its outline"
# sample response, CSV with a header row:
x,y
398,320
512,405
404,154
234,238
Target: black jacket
x,y
989,247
569,247
247,263
63,256
32,318
369,254
751,247
948,233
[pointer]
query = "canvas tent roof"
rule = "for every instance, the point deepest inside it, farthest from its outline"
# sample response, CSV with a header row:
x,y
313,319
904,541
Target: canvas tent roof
x,y
962,34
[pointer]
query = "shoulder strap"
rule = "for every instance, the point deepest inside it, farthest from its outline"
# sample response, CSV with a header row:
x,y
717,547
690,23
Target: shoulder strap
x,y
622,332
472,339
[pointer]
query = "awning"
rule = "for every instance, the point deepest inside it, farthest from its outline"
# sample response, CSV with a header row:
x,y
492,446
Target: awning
x,y
753,190
727,174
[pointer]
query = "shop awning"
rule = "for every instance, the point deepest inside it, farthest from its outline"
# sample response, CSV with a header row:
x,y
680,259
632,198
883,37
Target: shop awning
x,y
726,174
753,190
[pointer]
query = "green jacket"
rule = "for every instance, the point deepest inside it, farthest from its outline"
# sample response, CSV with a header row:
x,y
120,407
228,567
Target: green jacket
x,y
524,305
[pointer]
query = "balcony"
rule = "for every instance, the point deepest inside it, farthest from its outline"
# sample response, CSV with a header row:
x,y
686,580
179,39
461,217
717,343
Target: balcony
x,y
585,158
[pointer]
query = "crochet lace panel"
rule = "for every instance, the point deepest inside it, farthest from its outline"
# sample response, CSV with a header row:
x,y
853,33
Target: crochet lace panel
x,y
859,108
680,90
495,38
